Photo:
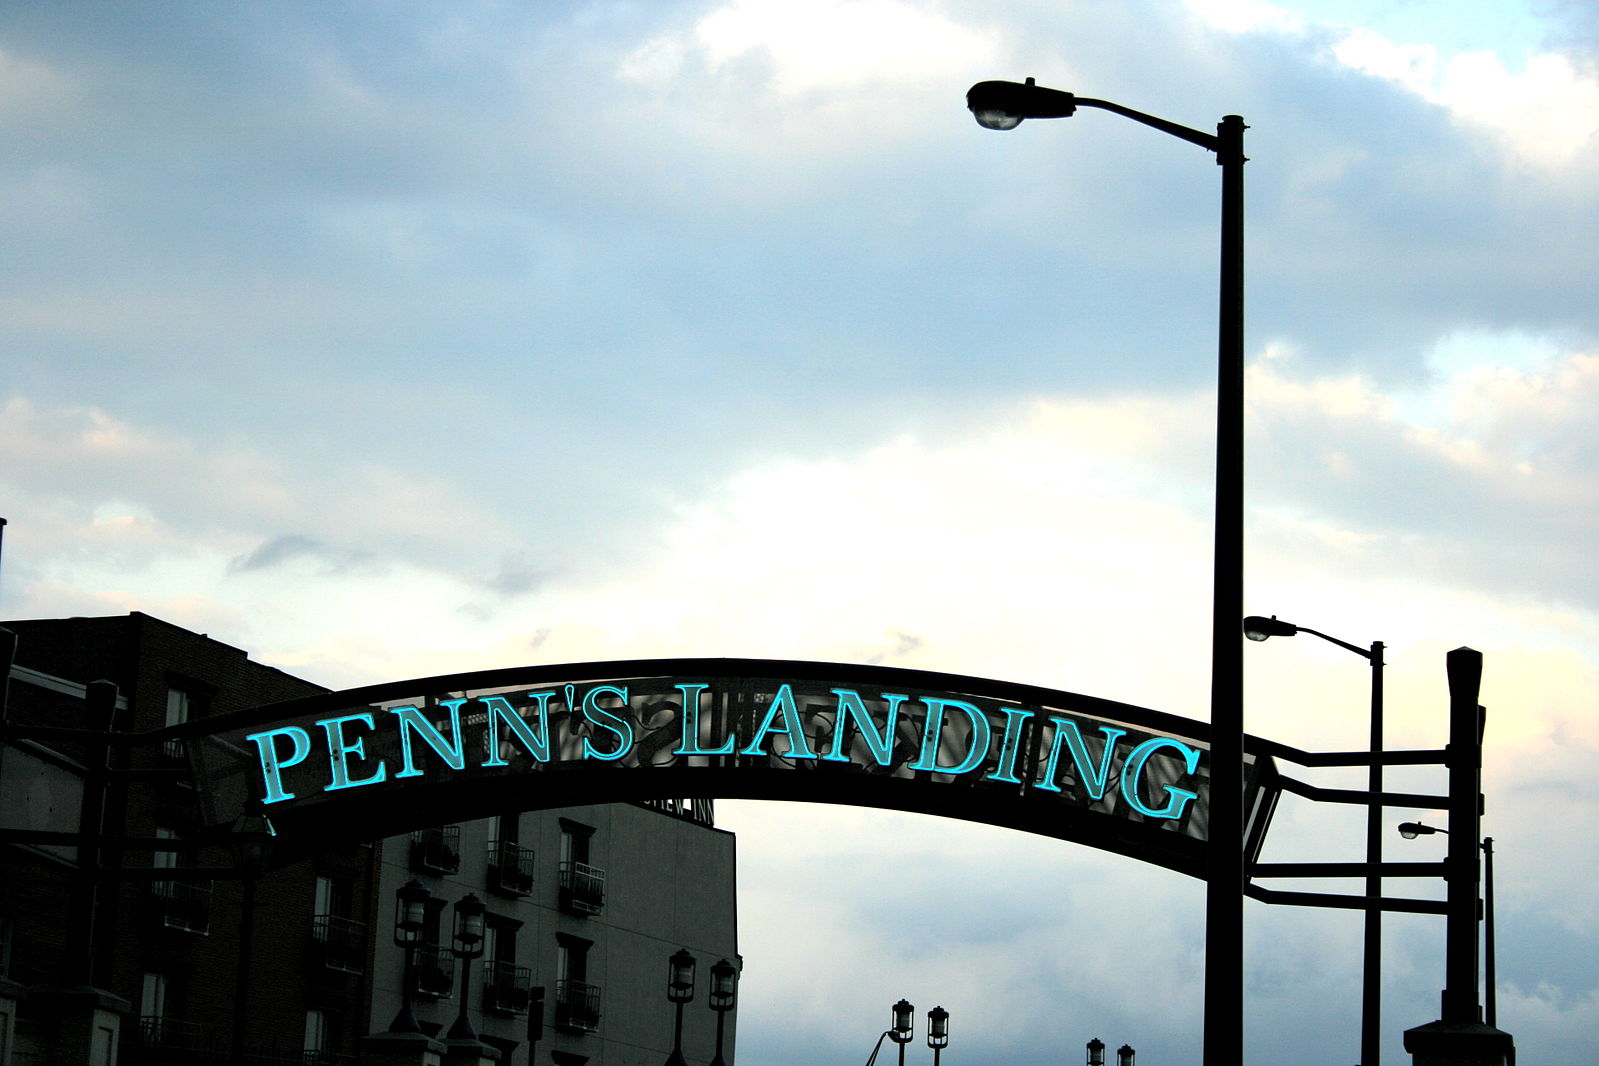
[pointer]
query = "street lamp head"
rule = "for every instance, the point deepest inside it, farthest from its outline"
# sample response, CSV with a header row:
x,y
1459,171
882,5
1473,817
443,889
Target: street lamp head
x,y
469,911
410,913
680,976
1001,105
938,1028
903,1029
1125,1055
1096,1052
724,985
1412,830
1258,628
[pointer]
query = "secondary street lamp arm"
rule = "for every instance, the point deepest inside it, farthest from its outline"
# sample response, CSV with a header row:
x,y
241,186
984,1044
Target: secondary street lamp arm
x,y
1003,105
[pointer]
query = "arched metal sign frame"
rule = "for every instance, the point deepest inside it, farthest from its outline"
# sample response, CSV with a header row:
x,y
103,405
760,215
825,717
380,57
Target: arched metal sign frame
x,y
385,759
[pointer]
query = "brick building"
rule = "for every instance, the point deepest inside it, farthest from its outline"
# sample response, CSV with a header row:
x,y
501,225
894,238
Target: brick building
x,y
584,905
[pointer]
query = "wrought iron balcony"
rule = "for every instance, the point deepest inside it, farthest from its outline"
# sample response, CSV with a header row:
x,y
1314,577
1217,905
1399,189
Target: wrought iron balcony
x,y
341,942
184,905
506,987
169,1034
577,1007
434,972
436,850
582,889
510,867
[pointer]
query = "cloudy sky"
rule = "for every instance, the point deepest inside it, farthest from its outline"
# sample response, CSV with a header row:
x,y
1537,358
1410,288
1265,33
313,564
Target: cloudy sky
x,y
392,340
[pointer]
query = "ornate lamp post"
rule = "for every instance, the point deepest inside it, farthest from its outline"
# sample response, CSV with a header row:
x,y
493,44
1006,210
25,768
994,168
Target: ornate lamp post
x,y
467,945
1125,1055
1258,628
1096,1052
904,1028
937,1031
679,990
724,993
1003,105
410,920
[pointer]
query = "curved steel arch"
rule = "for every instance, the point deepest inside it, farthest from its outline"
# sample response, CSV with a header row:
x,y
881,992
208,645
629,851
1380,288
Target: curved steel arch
x,y
386,759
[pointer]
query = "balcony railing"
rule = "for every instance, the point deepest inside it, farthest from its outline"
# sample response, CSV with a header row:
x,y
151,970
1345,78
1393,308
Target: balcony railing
x,y
170,1034
434,972
577,1007
326,1058
506,987
582,888
184,905
436,850
510,867
341,941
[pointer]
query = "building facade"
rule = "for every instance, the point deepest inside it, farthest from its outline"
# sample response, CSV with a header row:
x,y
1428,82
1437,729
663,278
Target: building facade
x,y
189,962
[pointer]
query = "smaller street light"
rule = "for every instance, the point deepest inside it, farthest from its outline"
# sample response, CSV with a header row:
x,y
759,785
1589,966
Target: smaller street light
x,y
1096,1052
466,945
724,992
679,990
1125,1055
1412,830
410,921
904,1029
937,1031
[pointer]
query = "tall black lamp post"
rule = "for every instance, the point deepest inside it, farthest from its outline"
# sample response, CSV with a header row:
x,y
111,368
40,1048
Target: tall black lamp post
x,y
679,990
1258,628
250,839
1125,1055
904,1028
937,1031
1003,105
1412,830
724,993
467,945
410,921
1096,1052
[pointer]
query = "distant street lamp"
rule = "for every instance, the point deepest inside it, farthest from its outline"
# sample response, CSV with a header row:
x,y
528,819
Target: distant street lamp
x,y
1003,105
904,1028
679,990
1258,628
1096,1052
1412,830
410,920
724,992
467,945
1125,1055
937,1031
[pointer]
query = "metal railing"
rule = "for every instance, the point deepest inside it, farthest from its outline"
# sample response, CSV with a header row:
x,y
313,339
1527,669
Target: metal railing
x,y
184,905
506,987
342,942
582,888
577,1006
510,867
436,850
433,973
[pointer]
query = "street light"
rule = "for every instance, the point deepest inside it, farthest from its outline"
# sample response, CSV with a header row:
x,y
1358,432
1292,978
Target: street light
x,y
1125,1055
903,1029
1096,1052
937,1031
1003,105
466,945
1258,628
724,992
410,921
679,990
1412,830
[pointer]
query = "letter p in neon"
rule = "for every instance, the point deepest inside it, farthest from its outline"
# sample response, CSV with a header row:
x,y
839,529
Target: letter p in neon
x,y
272,767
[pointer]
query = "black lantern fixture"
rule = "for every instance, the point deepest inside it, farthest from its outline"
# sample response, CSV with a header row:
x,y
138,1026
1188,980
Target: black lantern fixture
x,y
410,921
1096,1052
466,945
724,993
937,1031
679,990
904,1029
1125,1055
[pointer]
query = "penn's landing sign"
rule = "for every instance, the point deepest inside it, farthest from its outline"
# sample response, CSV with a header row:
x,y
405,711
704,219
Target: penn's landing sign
x,y
384,759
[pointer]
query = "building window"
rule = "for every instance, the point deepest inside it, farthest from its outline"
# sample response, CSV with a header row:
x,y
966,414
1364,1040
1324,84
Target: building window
x,y
506,985
184,905
436,850
582,886
177,714
577,1002
510,864
339,938
159,1023
321,1037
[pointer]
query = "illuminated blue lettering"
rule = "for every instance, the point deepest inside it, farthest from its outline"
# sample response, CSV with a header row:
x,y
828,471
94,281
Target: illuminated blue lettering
x,y
536,743
1134,769
607,720
413,721
933,728
881,745
1010,746
1093,778
782,704
272,767
341,750
690,744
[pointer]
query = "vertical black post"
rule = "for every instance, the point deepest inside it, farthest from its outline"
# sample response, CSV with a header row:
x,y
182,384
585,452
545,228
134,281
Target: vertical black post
x,y
241,979
1460,866
1371,968
100,704
1489,977
1224,894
